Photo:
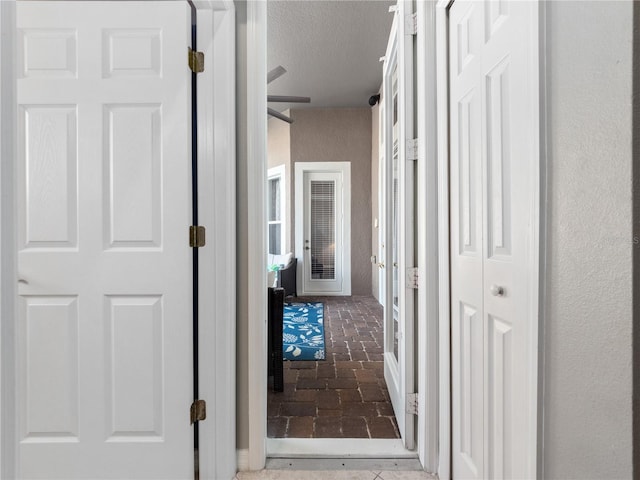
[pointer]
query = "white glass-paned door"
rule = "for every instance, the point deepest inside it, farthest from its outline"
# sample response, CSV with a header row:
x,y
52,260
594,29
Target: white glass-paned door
x,y
322,242
399,223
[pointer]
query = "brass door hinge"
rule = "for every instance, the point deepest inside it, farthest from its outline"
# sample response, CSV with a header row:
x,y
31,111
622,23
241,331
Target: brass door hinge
x,y
196,61
196,236
198,411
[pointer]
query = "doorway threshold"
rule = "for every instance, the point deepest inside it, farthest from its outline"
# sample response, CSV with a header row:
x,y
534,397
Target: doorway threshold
x,y
345,448
340,454
351,464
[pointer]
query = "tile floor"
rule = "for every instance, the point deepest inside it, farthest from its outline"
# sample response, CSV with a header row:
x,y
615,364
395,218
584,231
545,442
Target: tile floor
x,y
343,396
333,475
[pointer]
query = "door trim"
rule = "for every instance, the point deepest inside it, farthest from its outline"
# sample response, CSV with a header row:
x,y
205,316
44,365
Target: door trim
x,y
256,254
8,274
444,290
256,172
217,153
217,170
344,168
427,240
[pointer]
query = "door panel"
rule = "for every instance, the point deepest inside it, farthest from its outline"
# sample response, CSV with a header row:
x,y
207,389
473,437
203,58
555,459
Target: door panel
x,y
49,334
134,336
52,153
104,331
467,331
133,176
493,111
470,383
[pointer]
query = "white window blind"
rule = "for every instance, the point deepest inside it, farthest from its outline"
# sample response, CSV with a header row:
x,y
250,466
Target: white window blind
x,y
323,230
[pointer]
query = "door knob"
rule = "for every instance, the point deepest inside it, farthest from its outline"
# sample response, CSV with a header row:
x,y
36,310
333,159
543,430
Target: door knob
x,y
381,265
22,280
497,290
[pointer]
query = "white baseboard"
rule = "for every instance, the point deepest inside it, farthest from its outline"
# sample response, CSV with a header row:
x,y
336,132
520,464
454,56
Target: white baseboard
x,y
242,459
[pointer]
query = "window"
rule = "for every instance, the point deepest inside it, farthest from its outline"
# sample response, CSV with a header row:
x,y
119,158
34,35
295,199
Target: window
x,y
276,210
323,229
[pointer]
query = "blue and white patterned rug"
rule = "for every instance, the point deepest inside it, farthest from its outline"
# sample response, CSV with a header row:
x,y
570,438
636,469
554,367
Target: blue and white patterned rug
x,y
303,331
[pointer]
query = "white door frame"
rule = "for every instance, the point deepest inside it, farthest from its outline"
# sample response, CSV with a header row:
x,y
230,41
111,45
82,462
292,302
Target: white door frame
x,y
441,79
444,290
344,168
256,106
428,259
8,270
216,131
434,434
430,428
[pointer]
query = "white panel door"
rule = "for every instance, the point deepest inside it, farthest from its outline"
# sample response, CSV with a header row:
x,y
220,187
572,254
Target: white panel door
x,y
323,263
104,331
494,152
399,223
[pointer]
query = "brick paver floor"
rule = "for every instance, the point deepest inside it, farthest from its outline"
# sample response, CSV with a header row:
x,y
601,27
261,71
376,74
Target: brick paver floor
x,y
345,395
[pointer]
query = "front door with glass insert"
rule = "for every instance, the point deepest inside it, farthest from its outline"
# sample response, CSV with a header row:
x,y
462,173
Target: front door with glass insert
x,y
322,250
322,228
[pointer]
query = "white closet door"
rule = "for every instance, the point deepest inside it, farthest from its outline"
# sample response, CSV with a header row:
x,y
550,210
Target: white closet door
x,y
104,328
494,156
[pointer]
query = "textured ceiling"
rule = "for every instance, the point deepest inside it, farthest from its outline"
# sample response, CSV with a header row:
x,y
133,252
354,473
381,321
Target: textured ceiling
x,y
330,48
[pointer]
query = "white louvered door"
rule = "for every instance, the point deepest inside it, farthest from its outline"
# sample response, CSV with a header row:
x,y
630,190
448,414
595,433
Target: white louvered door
x,y
493,108
104,330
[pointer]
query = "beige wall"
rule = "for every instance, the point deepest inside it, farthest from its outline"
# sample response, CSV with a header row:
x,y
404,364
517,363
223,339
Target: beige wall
x,y
278,142
342,135
279,153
